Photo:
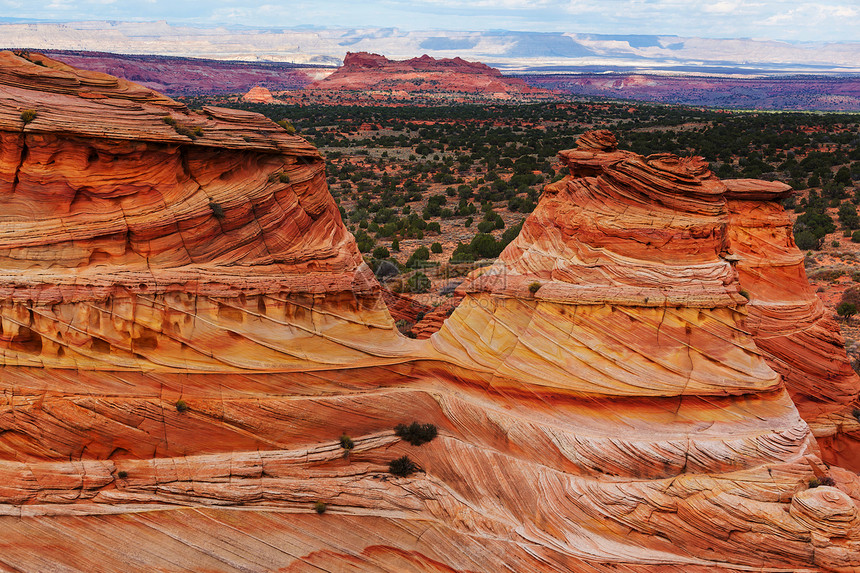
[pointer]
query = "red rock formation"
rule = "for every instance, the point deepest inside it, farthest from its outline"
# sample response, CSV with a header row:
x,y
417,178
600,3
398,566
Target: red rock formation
x,y
800,339
166,228
435,318
258,94
403,307
188,330
363,71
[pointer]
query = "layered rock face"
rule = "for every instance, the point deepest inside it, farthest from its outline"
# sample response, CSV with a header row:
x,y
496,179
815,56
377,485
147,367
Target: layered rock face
x,y
800,339
137,235
188,330
626,294
258,94
363,71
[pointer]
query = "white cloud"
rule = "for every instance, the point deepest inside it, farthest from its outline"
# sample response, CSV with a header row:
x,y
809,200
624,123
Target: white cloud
x,y
722,7
778,19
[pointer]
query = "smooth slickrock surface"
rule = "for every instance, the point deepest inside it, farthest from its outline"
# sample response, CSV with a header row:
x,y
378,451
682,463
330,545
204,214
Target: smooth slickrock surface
x,y
188,330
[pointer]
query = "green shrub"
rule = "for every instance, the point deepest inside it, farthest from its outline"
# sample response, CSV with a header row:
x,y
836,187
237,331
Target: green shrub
x,y
283,177
415,433
534,287
816,482
855,237
806,240
402,466
320,507
418,283
28,115
848,215
182,406
287,126
169,120
188,132
846,309
346,442
122,474
381,253
744,293
436,248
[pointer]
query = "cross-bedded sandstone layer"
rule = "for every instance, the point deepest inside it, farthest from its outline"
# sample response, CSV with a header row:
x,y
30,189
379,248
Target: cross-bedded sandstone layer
x,y
135,234
188,330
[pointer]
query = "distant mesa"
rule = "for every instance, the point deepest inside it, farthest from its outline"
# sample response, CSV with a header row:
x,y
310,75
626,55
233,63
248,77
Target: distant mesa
x,y
177,76
367,72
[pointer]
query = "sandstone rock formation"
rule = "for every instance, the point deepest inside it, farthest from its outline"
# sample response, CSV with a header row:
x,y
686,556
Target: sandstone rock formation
x,y
800,339
258,94
363,71
188,330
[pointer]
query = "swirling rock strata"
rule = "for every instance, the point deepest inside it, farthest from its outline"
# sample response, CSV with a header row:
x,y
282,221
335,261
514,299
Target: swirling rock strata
x,y
800,339
135,234
188,330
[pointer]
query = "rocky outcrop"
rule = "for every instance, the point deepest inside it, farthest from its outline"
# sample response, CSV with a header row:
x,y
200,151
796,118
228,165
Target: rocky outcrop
x,y
625,294
138,235
800,339
363,71
188,332
258,94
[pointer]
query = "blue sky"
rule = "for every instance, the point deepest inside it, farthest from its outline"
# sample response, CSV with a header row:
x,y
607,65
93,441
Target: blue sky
x,y
827,20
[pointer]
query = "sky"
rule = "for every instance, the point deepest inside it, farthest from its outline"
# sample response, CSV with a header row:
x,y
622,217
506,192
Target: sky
x,y
817,21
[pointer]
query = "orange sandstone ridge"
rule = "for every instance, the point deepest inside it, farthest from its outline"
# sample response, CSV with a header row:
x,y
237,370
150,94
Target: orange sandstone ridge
x,y
188,329
369,72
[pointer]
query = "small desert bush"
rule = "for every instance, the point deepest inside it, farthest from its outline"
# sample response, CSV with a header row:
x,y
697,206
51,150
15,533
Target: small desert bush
x,y
346,442
846,309
320,507
402,466
534,287
415,433
284,178
287,126
816,482
122,474
28,115
181,406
